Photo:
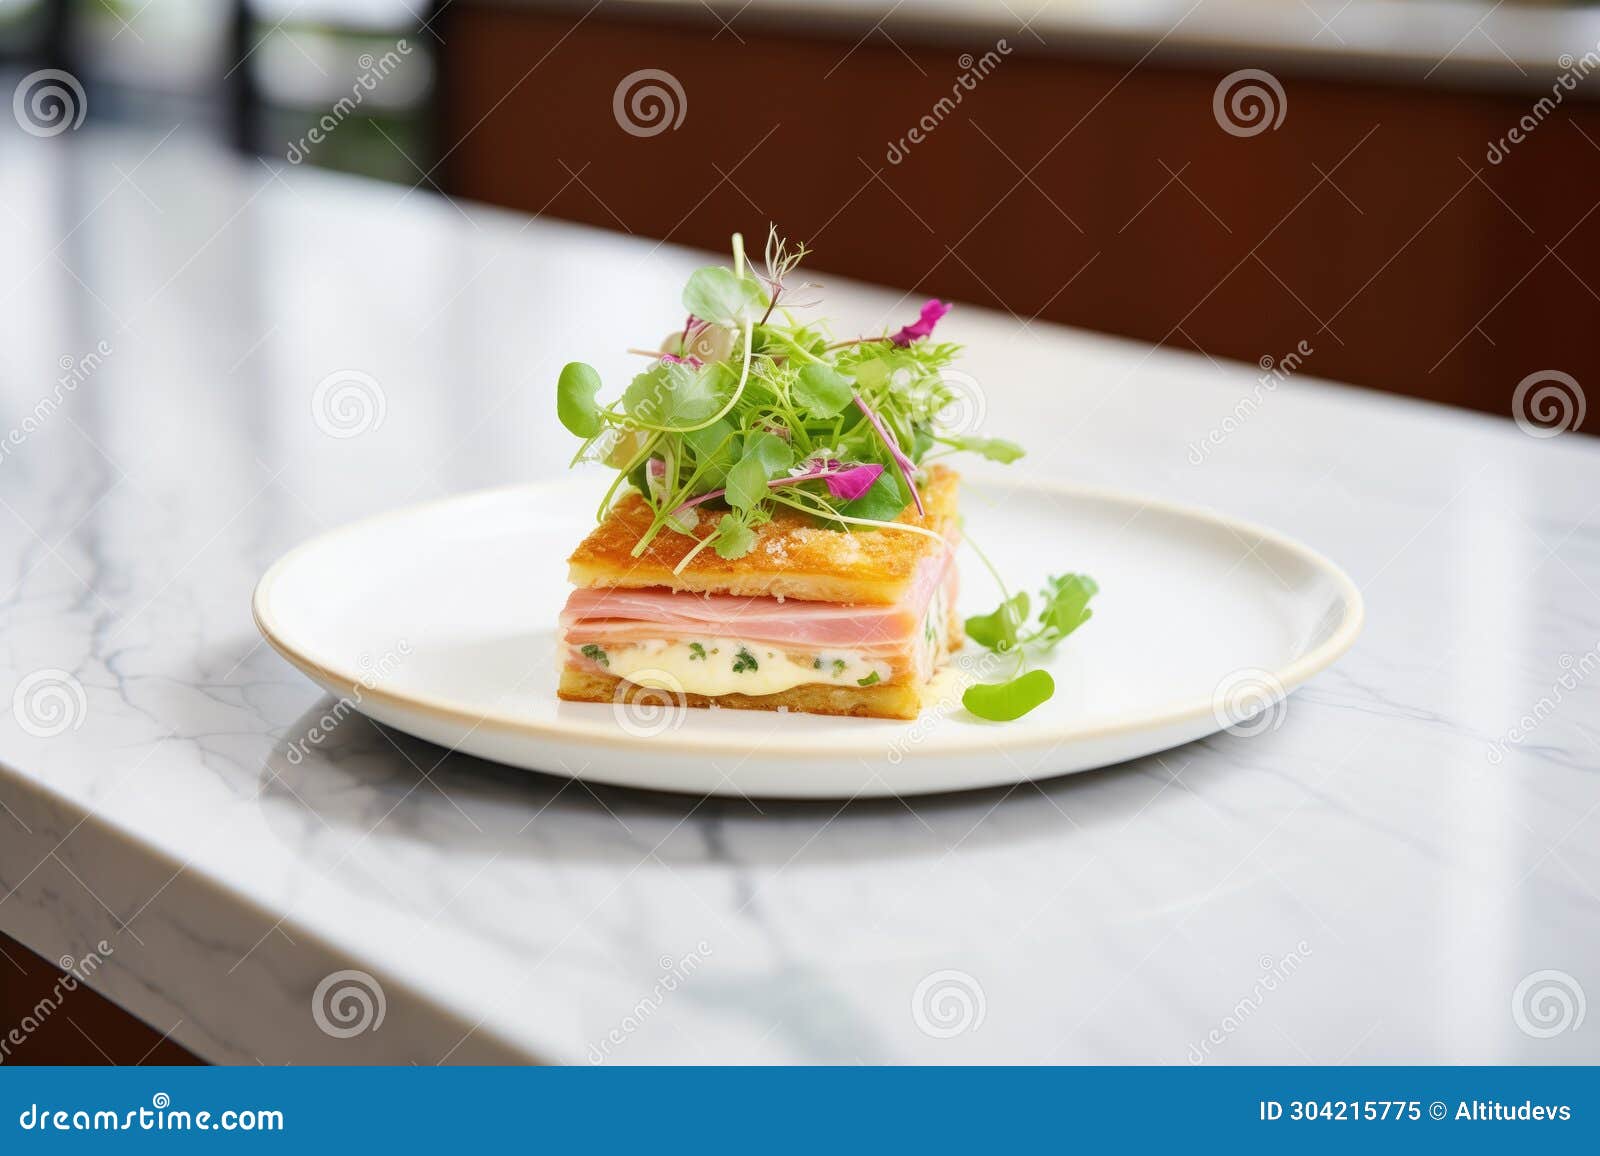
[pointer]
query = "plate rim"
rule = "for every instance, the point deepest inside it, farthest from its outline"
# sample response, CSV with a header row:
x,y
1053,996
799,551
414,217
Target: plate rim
x,y
1290,677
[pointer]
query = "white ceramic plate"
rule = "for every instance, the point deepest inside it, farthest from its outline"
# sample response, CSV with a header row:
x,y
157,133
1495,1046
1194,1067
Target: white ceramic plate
x,y
440,620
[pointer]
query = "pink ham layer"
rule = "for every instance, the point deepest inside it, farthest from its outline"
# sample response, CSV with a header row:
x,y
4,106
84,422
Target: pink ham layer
x,y
618,617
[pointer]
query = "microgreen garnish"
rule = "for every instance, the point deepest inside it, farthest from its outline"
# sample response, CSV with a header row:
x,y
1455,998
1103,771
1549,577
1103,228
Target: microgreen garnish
x,y
747,409
1064,606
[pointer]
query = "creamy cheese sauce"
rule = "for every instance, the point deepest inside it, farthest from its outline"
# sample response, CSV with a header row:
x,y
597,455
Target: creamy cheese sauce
x,y
715,666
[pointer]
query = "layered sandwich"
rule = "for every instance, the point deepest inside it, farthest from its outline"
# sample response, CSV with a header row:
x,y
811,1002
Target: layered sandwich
x,y
808,619
779,533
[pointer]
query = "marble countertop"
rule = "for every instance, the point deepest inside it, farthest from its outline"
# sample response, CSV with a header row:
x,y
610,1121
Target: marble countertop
x,y
1408,869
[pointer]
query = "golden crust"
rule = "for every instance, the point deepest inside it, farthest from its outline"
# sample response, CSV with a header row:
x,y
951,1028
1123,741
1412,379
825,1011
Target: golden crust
x,y
883,701
792,557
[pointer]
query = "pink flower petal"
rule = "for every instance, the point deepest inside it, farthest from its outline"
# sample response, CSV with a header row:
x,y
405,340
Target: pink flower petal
x,y
851,483
923,326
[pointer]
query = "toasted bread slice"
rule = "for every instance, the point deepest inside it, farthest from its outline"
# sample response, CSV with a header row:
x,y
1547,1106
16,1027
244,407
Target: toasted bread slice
x,y
901,701
793,557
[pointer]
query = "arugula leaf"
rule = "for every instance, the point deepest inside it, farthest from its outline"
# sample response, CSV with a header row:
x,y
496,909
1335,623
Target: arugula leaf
x,y
715,294
575,399
734,537
998,631
1066,604
822,391
765,456
994,449
1008,701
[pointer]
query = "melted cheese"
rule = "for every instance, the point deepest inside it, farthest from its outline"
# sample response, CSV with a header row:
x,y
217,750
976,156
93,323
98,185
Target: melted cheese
x,y
707,666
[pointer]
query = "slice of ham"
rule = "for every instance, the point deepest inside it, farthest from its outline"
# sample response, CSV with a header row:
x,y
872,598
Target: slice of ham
x,y
623,616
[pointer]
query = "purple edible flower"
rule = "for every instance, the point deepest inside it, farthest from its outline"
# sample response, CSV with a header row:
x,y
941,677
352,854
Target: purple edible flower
x,y
852,481
923,326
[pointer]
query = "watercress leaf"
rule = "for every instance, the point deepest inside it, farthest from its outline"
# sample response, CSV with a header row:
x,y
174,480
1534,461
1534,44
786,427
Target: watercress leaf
x,y
822,391
883,501
998,631
1008,701
715,294
674,394
1066,605
995,449
734,537
764,457
713,448
575,399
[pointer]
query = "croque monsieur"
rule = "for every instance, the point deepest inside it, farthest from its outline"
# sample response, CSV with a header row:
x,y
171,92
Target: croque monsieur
x,y
811,618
